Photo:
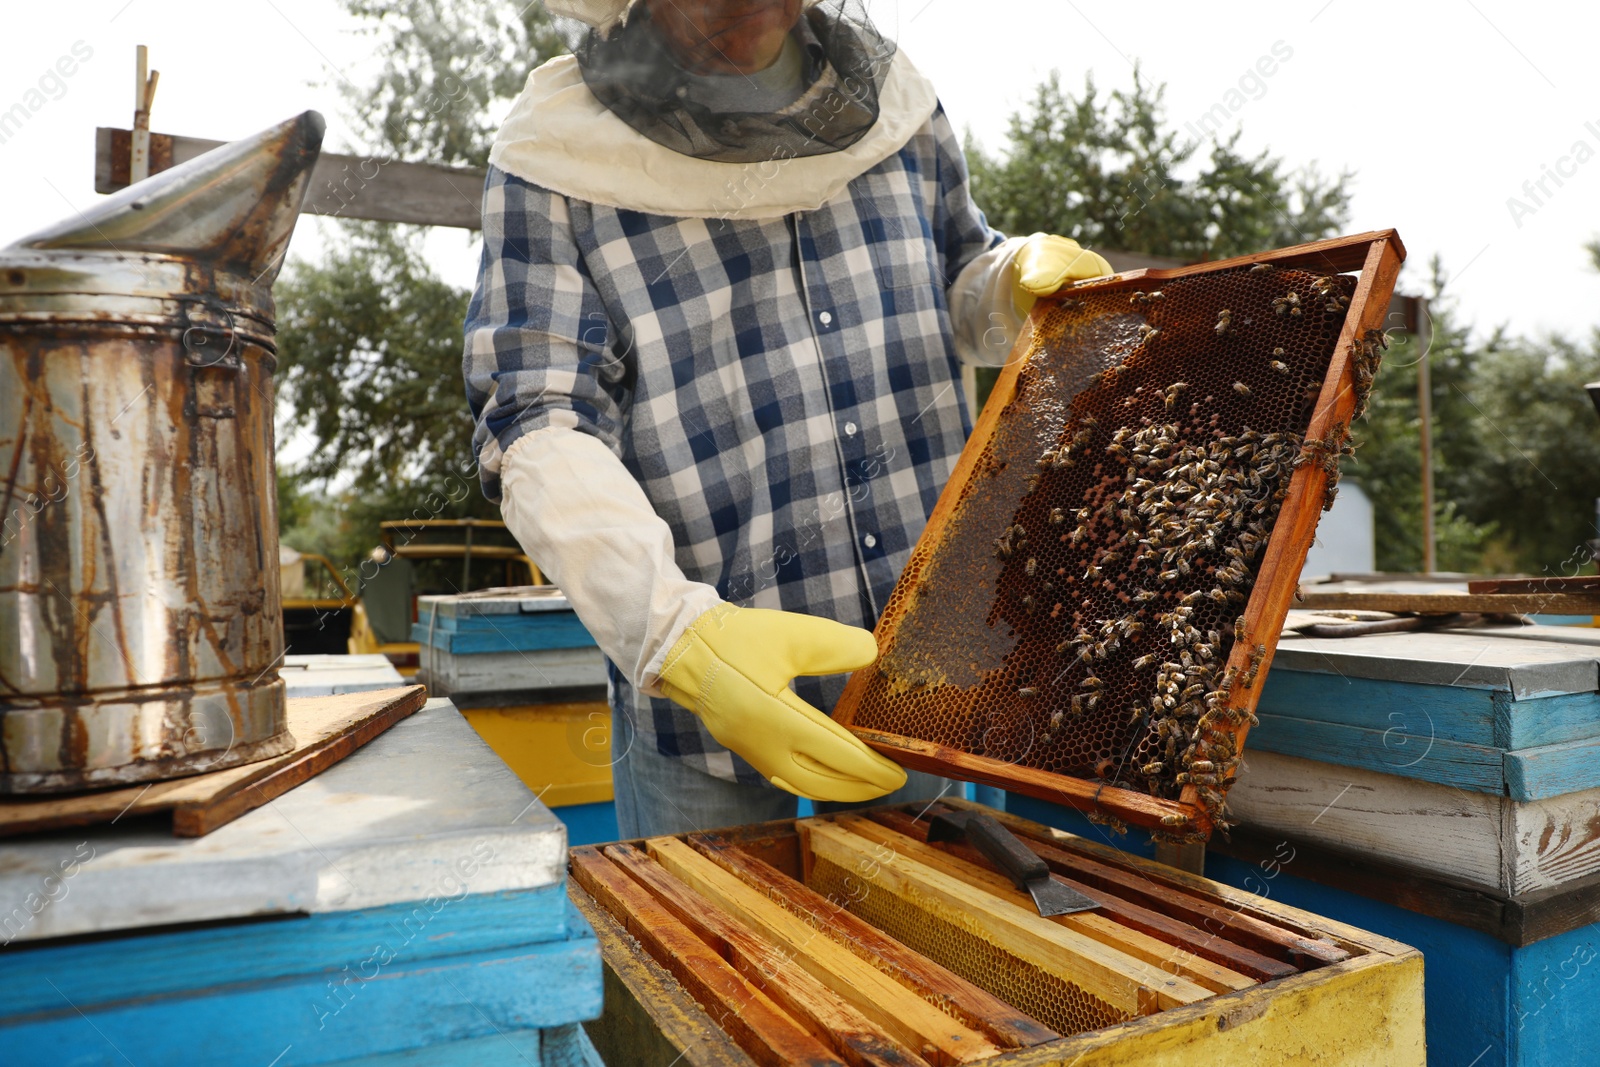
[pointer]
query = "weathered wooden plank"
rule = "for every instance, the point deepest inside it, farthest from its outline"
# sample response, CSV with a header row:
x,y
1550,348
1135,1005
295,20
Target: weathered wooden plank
x,y
760,1027
1553,842
1451,713
1448,832
648,1020
329,1015
1553,770
1449,603
326,730
1183,936
937,1037
342,186
978,1009
1196,900
1549,720
1393,751
830,1018
517,672
1526,661
1095,925
177,962
1111,975
497,633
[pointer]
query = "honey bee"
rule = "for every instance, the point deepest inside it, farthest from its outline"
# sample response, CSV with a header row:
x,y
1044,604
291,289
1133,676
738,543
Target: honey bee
x,y
1148,333
1224,320
1027,693
1280,367
1201,766
1028,604
1079,535
1238,628
1030,567
1241,388
1262,268
1056,517
1143,662
1091,682
1152,768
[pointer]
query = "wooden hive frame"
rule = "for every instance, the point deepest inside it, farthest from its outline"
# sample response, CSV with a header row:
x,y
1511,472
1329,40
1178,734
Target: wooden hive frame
x,y
1377,256
763,944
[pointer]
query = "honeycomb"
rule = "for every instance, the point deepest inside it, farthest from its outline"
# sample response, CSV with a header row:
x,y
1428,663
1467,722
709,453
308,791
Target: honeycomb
x,y
1079,607
1058,1004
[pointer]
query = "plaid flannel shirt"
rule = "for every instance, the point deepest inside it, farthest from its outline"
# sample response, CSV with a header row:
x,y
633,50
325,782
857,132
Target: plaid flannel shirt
x,y
786,391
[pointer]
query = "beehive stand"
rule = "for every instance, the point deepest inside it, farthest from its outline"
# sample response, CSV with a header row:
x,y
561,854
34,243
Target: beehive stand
x,y
853,939
1100,589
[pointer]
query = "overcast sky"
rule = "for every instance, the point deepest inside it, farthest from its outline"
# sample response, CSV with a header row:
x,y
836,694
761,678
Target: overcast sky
x,y
1442,110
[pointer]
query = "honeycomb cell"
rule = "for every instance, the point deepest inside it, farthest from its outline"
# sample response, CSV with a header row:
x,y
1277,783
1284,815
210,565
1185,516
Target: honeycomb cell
x,y
1080,606
1064,1007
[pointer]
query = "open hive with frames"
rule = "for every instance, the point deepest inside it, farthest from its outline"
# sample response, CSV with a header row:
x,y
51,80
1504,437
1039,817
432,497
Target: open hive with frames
x,y
1094,603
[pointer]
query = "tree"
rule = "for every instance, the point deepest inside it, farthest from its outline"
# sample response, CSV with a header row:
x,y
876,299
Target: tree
x,y
1516,450
370,338
1104,170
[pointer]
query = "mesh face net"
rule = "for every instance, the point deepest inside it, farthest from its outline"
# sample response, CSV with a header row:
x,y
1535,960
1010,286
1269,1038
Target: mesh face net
x,y
1076,613
843,62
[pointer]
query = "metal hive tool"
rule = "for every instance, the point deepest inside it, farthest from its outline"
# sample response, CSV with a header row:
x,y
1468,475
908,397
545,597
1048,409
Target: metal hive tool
x,y
1089,614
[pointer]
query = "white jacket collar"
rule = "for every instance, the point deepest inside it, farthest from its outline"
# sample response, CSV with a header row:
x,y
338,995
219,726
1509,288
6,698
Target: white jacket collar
x,y
559,137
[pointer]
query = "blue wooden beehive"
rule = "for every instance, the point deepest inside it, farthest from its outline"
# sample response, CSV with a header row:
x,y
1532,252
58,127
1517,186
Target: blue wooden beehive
x,y
1442,789
406,906
515,643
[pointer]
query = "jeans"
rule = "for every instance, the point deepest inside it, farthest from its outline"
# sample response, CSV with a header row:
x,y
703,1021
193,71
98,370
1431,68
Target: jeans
x,y
658,795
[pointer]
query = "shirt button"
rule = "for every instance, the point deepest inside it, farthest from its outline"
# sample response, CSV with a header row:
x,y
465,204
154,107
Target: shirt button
x,y
869,540
850,429
825,318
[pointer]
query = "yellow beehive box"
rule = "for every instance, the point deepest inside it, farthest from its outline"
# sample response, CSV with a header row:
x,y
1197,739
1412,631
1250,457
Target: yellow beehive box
x,y
560,751
853,939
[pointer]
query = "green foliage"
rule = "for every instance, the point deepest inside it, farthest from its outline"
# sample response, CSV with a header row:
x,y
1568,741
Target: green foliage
x,y
1516,450
1105,170
370,338
452,67
371,368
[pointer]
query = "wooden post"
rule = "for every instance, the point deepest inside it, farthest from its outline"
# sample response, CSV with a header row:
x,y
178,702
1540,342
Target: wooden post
x,y
144,93
1423,337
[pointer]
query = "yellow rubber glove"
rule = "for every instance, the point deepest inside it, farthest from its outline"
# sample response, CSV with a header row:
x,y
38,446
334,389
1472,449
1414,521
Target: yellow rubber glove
x,y
733,666
1046,262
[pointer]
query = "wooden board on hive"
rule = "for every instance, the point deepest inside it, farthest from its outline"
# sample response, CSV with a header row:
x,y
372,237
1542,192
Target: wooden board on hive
x,y
897,951
326,730
1189,423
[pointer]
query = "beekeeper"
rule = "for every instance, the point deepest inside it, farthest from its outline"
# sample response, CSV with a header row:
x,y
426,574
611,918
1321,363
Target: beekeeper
x,y
730,270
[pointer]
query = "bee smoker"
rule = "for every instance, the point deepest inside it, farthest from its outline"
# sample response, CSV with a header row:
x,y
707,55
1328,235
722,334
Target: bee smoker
x,y
140,626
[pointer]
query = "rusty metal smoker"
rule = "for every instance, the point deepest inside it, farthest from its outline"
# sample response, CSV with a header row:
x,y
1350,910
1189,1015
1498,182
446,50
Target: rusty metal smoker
x,y
140,626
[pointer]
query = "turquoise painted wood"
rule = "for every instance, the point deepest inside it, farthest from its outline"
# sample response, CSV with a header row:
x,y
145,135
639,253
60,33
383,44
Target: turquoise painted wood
x,y
1392,751
1472,715
335,1010
1488,1004
589,824
1523,774
1550,771
561,1046
92,972
553,630
454,619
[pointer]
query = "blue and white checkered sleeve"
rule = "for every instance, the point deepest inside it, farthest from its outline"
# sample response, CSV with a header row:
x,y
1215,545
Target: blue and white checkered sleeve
x,y
538,349
961,229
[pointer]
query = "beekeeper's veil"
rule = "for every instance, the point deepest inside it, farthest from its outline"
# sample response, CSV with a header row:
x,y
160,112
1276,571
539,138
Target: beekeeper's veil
x,y
820,96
